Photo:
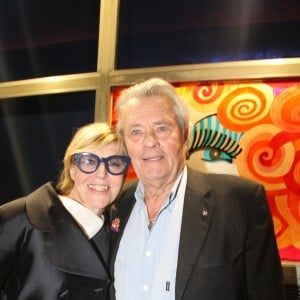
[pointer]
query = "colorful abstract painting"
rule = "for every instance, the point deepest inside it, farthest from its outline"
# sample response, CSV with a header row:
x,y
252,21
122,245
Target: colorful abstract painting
x,y
251,130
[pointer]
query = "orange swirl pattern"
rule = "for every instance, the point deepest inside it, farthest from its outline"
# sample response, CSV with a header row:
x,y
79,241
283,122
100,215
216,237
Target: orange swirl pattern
x,y
201,97
204,94
292,178
245,107
265,157
285,110
271,155
289,234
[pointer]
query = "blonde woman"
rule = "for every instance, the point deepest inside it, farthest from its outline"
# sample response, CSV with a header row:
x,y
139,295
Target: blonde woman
x,y
54,242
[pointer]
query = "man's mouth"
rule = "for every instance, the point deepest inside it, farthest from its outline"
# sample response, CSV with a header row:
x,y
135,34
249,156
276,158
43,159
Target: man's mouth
x,y
153,158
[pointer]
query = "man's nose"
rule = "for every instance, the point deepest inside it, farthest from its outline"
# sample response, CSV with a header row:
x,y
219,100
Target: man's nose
x,y
150,139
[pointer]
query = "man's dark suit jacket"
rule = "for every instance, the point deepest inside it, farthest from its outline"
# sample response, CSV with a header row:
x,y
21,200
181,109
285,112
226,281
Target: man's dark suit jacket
x,y
227,247
44,254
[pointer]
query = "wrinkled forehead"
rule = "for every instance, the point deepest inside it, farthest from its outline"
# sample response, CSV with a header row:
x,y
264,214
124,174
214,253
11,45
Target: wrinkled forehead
x,y
149,110
148,104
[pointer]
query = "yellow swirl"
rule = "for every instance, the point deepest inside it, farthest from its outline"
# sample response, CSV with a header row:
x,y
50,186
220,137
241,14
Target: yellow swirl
x,y
245,107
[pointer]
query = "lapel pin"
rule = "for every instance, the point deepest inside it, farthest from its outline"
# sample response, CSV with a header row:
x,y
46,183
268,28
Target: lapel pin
x,y
204,212
115,224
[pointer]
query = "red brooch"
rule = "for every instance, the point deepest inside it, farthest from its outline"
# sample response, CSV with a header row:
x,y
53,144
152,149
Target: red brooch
x,y
115,224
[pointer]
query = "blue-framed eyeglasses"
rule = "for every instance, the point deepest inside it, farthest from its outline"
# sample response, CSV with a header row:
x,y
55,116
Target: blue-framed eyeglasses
x,y
90,162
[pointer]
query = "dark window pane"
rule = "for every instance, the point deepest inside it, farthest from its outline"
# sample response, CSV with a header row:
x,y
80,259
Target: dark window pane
x,y
157,33
49,37
34,134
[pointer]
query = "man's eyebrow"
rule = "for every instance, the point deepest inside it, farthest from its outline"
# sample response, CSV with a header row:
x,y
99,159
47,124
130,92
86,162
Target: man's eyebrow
x,y
163,121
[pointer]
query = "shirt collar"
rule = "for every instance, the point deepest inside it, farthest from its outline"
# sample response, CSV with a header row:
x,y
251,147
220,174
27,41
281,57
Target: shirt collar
x,y
88,221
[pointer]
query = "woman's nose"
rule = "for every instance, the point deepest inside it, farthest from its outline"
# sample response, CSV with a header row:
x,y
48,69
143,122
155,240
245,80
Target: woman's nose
x,y
101,171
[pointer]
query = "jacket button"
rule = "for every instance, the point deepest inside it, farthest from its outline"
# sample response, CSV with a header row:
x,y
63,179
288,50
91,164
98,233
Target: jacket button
x,y
64,294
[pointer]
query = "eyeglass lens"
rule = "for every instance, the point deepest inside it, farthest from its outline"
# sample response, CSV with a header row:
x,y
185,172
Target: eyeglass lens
x,y
89,163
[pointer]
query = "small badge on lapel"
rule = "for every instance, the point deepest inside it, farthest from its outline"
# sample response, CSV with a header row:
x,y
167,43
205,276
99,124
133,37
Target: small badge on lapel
x,y
115,224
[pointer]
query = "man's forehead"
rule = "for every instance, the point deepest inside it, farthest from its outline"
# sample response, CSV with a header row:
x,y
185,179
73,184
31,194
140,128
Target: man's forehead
x,y
146,100
153,122
148,104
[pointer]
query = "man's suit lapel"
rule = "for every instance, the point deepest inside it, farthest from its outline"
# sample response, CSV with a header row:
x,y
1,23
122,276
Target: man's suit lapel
x,y
197,215
65,244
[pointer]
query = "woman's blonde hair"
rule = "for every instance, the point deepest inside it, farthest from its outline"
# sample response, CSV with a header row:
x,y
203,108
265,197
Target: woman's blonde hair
x,y
86,139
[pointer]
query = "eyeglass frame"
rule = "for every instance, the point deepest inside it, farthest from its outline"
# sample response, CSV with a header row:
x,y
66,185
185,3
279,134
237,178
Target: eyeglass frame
x,y
99,160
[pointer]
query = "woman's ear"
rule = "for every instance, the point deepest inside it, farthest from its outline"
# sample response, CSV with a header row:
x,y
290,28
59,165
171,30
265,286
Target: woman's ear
x,y
72,172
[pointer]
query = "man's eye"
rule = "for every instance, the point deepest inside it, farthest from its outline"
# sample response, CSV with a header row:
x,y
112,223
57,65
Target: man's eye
x,y
136,132
162,129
